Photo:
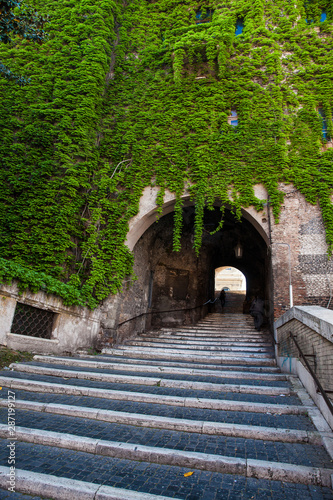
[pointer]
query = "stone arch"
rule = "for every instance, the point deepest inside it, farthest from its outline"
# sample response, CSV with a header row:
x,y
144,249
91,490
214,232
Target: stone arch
x,y
147,214
170,280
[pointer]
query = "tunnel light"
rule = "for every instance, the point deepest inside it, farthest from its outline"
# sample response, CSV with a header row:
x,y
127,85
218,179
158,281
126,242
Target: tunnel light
x,y
238,251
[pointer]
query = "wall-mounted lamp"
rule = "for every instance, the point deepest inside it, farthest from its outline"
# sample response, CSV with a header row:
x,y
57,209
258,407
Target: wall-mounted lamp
x,y
238,251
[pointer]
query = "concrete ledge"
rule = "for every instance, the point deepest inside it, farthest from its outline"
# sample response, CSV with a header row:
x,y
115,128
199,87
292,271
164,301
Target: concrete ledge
x,y
317,318
27,338
156,422
260,469
48,486
215,404
34,344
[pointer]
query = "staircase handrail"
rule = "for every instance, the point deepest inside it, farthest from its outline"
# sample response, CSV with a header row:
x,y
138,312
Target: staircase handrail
x,y
314,376
210,301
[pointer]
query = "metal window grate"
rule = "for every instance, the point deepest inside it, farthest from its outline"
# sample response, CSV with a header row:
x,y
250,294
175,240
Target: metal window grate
x,y
31,321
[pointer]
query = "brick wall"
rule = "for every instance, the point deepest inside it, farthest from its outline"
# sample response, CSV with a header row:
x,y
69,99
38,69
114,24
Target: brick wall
x,y
301,227
311,343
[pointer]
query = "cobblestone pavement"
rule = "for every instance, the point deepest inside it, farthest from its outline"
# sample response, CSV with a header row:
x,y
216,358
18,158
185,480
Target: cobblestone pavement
x,y
153,478
9,495
302,454
172,376
239,417
167,391
156,479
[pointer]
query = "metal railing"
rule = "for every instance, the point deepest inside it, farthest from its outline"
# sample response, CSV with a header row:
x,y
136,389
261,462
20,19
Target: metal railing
x,y
314,376
210,301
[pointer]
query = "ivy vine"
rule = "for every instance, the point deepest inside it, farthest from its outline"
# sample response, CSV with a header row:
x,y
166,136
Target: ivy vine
x,y
127,95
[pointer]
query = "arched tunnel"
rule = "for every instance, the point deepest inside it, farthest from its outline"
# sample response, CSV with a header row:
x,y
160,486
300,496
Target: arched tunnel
x,y
173,286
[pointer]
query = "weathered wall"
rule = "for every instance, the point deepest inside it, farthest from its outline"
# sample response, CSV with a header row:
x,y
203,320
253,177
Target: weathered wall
x,y
74,328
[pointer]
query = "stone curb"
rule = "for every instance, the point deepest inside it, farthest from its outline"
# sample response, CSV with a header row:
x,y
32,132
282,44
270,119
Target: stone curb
x,y
157,422
61,488
214,404
151,368
259,469
151,381
238,360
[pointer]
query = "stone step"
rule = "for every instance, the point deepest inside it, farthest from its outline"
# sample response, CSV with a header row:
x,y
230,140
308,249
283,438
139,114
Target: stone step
x,y
239,330
207,398
166,456
201,340
205,347
184,392
227,351
149,368
149,381
232,351
220,334
161,362
298,454
275,434
134,353
62,488
188,402
168,480
194,341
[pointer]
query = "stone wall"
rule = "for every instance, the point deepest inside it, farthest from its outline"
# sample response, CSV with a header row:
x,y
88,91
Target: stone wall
x,y
166,281
74,328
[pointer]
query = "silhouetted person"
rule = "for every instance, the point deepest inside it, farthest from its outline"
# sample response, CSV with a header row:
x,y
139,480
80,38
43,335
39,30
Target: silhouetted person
x,y
257,311
222,297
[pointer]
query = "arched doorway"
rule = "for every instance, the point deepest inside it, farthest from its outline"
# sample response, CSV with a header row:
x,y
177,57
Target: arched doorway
x,y
229,279
169,281
233,283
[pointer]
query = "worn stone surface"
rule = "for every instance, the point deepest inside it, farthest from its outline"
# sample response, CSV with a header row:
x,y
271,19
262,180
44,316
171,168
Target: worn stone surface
x,y
145,446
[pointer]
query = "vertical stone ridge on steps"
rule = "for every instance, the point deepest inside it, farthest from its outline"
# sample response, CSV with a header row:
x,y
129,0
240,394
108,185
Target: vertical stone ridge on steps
x,y
130,423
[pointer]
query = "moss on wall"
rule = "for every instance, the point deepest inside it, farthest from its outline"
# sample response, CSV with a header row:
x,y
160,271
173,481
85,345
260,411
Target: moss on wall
x,y
124,95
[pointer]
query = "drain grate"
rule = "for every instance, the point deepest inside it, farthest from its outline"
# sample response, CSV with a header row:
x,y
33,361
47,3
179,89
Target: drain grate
x,y
31,321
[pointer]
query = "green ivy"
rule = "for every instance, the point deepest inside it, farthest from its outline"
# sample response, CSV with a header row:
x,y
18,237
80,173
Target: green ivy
x,y
124,96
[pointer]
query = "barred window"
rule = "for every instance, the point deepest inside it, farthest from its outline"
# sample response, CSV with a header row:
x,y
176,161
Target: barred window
x,y
33,322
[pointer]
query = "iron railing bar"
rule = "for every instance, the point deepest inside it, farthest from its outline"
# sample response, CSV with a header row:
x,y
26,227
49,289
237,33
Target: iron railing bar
x,y
170,310
314,376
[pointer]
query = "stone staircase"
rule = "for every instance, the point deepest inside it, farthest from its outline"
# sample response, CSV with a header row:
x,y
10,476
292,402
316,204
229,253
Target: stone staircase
x,y
196,413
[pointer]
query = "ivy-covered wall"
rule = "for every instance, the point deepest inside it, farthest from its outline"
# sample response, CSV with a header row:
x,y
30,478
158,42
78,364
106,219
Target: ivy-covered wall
x,y
127,94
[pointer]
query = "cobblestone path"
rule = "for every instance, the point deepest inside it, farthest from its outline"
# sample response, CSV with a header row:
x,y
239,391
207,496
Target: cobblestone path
x,y
195,413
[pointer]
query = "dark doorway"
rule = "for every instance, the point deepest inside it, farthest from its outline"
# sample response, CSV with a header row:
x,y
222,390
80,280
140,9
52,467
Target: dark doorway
x,y
182,281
